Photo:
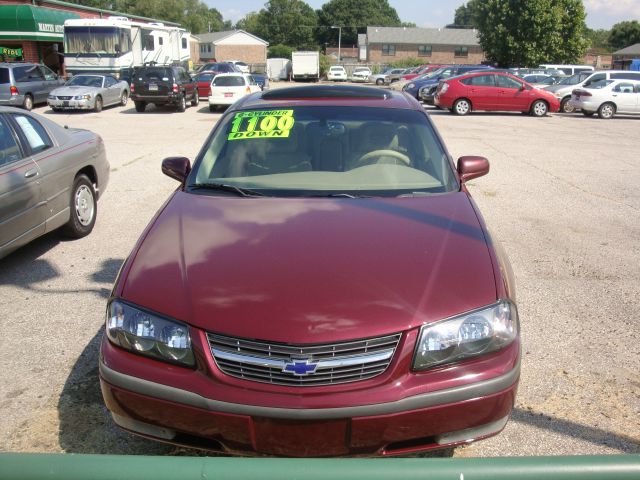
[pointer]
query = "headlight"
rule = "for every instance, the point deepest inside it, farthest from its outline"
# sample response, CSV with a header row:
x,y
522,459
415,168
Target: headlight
x,y
82,97
469,335
411,85
142,332
51,97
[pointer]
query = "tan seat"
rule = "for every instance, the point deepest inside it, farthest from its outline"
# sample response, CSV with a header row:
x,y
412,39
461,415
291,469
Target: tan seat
x,y
376,136
279,155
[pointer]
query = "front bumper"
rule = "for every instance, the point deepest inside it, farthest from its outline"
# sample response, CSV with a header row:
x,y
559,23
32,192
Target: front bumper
x,y
250,424
71,104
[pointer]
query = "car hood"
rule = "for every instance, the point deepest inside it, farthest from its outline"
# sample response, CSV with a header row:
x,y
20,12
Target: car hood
x,y
75,90
311,270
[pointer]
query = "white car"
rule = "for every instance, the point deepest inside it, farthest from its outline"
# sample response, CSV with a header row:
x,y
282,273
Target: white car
x,y
241,66
361,74
226,88
337,73
608,97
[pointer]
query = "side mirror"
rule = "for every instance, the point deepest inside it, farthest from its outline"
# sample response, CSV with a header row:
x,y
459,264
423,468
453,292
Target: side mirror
x,y
176,167
523,87
472,167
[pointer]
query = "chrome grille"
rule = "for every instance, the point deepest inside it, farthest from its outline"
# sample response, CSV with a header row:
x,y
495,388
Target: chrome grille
x,y
63,98
302,365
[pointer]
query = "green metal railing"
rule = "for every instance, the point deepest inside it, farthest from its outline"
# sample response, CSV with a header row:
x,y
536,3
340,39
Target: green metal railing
x,y
28,466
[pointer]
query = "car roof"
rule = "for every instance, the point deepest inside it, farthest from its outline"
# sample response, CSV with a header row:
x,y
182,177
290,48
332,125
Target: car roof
x,y
328,95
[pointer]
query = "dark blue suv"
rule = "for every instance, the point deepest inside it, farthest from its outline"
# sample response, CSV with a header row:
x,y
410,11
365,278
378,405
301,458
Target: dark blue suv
x,y
433,78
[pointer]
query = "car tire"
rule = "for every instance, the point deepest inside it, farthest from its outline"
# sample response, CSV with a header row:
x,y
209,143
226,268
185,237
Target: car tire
x,y
607,111
140,106
379,81
195,100
566,107
539,108
84,208
27,103
213,108
124,98
588,114
97,107
462,106
182,104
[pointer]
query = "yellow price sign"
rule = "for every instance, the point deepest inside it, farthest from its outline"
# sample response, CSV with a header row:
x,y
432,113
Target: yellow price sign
x,y
261,124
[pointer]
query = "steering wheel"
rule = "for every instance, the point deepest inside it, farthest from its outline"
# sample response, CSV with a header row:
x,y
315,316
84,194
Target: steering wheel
x,y
383,153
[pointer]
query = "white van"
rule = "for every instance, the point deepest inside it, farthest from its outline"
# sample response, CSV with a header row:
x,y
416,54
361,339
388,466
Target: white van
x,y
568,69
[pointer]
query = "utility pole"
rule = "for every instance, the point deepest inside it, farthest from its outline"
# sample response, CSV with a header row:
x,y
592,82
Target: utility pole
x,y
339,42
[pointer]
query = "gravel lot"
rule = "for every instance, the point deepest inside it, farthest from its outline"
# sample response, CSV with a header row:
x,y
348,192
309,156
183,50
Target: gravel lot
x,y
562,197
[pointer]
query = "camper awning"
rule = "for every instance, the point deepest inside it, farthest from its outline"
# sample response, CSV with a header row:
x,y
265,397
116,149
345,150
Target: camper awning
x,y
27,22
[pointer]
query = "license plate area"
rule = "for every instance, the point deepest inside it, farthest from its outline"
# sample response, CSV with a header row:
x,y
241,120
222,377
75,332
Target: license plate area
x,y
301,438
228,94
153,87
65,103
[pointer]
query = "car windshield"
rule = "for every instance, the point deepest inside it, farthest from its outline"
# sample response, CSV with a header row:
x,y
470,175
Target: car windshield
x,y
326,151
435,73
85,81
572,80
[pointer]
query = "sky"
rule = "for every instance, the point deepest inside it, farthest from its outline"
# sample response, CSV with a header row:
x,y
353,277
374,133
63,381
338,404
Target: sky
x,y
438,13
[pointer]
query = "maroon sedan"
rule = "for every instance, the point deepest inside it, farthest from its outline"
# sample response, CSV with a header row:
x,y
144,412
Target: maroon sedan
x,y
493,91
320,284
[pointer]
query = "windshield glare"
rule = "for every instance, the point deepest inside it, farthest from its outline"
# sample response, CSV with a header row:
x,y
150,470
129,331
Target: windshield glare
x,y
85,81
326,150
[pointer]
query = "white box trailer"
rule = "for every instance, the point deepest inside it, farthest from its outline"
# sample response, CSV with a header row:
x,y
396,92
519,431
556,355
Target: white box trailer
x,y
305,66
278,68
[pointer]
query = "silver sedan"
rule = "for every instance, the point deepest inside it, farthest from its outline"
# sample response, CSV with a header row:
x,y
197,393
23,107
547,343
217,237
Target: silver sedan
x,y
89,92
50,177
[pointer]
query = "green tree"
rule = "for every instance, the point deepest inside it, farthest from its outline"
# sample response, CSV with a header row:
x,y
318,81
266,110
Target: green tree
x,y
353,16
467,14
284,22
529,33
598,39
625,34
279,51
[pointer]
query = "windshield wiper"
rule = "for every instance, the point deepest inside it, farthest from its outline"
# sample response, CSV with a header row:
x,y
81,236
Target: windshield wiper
x,y
243,192
339,195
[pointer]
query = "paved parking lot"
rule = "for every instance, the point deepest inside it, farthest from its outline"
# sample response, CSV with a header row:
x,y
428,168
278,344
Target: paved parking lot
x,y
562,197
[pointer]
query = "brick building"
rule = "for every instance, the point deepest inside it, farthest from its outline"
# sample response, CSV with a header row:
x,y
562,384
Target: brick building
x,y
33,30
232,45
433,45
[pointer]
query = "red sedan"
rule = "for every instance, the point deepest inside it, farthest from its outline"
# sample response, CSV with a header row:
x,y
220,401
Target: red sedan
x,y
321,283
204,80
493,91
